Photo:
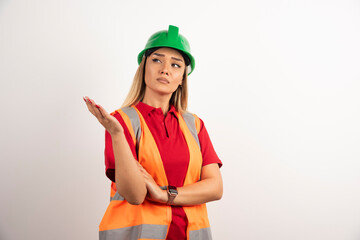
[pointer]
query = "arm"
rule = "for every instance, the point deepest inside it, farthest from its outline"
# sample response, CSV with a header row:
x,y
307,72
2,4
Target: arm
x,y
209,188
129,180
130,183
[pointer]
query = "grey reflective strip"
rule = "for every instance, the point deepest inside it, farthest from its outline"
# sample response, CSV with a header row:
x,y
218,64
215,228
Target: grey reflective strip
x,y
144,231
117,196
135,121
201,234
190,122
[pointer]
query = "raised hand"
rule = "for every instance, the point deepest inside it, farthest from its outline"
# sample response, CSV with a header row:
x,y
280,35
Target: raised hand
x,y
110,123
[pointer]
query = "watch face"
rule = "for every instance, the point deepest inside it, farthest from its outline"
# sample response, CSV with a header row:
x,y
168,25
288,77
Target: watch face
x,y
173,191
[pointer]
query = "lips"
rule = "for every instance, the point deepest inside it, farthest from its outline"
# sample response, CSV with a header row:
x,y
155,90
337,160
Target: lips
x,y
163,80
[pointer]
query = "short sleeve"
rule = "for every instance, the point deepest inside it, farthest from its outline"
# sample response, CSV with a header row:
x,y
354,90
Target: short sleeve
x,y
109,154
208,152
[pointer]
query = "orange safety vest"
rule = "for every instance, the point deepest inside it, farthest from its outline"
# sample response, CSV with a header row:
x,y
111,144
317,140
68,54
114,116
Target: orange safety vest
x,y
151,220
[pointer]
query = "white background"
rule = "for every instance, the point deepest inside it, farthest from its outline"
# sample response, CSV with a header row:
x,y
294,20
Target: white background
x,y
276,82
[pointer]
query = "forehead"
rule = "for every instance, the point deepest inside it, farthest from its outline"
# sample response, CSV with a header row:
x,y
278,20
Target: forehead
x,y
169,52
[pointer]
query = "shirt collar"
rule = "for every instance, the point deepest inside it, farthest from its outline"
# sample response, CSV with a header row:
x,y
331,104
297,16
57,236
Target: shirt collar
x,y
147,109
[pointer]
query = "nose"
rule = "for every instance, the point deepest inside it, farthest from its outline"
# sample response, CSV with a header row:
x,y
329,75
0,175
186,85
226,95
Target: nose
x,y
164,69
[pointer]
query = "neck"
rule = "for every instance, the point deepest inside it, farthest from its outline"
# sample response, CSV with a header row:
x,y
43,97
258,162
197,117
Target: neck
x,y
158,102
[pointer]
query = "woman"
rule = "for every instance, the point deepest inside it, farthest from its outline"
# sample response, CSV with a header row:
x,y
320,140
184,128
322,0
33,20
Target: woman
x,y
159,157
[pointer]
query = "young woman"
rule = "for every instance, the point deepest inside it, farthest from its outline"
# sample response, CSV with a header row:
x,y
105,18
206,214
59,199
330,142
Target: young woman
x,y
158,156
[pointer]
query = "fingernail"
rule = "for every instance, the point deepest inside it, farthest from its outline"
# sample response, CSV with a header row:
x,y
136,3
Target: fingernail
x,y
84,99
97,106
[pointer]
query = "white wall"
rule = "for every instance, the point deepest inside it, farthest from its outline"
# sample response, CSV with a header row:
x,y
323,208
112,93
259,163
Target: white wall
x,y
276,82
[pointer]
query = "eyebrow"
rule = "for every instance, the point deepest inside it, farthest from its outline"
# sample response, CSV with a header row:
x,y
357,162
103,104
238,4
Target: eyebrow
x,y
162,55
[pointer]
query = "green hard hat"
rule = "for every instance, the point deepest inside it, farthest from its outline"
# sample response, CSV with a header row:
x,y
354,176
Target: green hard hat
x,y
172,39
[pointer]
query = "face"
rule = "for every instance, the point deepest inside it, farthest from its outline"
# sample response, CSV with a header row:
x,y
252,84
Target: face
x,y
164,71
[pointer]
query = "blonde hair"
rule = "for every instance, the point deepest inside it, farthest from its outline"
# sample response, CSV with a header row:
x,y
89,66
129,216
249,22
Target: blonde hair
x,y
136,94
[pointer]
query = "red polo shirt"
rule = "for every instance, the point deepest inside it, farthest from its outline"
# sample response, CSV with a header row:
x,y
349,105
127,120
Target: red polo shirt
x,y
174,154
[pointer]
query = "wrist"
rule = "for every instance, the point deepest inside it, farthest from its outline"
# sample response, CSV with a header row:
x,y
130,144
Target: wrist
x,y
172,193
161,197
117,135
165,196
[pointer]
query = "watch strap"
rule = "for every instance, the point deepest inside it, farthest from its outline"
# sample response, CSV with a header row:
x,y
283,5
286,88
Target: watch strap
x,y
172,193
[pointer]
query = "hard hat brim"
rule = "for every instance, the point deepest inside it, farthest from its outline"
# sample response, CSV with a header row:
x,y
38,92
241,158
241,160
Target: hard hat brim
x,y
171,39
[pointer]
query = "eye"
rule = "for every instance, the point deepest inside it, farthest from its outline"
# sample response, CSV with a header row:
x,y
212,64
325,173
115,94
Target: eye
x,y
176,65
155,60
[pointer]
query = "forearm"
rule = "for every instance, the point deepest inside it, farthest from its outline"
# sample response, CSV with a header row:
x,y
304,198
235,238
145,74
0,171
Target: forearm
x,y
209,188
204,191
129,180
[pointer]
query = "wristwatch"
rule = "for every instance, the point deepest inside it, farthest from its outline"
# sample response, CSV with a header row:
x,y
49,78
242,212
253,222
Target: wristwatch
x,y
172,193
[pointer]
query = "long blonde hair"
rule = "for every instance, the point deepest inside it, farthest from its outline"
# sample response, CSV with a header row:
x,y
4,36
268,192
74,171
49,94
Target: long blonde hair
x,y
136,94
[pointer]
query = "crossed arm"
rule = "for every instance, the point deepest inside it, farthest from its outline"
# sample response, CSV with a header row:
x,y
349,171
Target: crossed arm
x,y
209,188
135,184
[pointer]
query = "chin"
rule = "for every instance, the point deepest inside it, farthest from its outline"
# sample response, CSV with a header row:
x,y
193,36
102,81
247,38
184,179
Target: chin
x,y
165,91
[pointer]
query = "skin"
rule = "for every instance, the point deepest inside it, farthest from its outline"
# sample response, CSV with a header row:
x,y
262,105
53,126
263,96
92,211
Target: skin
x,y
129,180
163,74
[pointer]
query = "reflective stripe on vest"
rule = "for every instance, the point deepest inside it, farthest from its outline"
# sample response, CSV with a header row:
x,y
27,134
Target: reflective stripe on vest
x,y
191,120
135,122
144,231
150,220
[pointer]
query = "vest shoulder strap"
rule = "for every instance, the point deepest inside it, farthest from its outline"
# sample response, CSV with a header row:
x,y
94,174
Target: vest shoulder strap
x,y
135,121
192,121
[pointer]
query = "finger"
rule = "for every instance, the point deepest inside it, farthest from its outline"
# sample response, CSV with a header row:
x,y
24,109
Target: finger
x,y
90,108
89,104
93,109
144,172
102,111
146,175
138,164
99,110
